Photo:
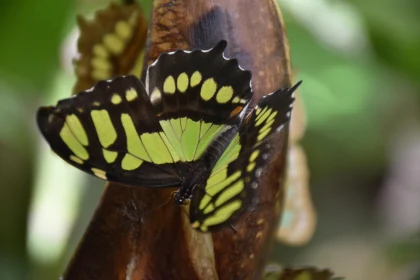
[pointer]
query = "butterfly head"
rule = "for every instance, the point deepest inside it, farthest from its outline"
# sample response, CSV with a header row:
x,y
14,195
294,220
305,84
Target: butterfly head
x,y
181,198
195,178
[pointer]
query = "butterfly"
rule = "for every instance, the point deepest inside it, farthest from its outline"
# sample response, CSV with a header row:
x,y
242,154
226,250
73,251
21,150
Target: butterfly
x,y
187,126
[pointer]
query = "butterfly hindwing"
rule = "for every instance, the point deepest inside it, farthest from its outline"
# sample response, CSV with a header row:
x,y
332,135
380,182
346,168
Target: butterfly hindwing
x,y
231,188
195,95
203,85
111,131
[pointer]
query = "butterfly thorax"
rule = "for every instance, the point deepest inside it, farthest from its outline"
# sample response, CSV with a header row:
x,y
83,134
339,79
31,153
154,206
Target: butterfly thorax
x,y
198,175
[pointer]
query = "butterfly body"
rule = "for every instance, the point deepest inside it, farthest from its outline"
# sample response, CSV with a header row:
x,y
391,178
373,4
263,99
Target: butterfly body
x,y
184,127
198,175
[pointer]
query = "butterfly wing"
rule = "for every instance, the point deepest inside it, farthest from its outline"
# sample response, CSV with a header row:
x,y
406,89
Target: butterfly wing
x,y
112,131
195,95
230,189
269,116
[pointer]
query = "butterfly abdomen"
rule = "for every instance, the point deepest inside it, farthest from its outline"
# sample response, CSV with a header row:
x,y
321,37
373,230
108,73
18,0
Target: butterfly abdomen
x,y
218,146
198,176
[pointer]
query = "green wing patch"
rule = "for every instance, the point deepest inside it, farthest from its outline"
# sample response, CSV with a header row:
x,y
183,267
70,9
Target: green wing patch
x,y
111,131
232,185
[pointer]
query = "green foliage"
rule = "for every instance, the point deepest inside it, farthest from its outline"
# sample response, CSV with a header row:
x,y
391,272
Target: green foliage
x,y
29,51
393,28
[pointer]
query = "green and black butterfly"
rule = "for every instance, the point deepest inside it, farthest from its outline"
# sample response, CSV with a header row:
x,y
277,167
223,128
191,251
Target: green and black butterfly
x,y
186,127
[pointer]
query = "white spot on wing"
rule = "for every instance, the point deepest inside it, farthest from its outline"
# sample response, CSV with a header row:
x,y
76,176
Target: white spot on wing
x,y
279,128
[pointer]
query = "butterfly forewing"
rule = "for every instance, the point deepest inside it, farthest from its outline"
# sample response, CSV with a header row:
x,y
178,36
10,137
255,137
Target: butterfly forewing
x,y
268,117
111,131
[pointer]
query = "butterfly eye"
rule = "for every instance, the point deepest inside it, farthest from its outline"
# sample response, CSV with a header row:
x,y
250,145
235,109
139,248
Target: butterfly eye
x,y
178,199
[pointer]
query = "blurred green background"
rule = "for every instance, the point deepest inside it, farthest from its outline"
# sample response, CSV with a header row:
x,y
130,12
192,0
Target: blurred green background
x,y
360,62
